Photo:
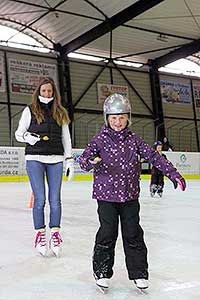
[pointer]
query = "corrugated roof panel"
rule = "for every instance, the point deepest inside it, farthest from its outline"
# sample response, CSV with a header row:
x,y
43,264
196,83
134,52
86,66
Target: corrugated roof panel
x,y
170,16
20,12
173,8
82,7
129,41
194,6
184,26
113,7
64,28
109,8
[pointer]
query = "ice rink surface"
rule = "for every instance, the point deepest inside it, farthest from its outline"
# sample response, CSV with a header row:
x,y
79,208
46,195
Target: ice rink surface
x,y
172,235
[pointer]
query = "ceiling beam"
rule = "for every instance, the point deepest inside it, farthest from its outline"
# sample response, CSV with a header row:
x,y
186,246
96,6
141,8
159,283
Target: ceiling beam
x,y
109,24
181,52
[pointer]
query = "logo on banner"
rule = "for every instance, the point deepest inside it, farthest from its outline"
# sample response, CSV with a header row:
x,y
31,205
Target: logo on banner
x,y
183,158
183,163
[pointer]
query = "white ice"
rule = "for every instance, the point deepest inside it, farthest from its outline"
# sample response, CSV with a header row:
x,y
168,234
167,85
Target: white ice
x,y
172,235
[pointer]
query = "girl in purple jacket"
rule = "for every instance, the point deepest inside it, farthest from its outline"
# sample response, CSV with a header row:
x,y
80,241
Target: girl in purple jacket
x,y
115,154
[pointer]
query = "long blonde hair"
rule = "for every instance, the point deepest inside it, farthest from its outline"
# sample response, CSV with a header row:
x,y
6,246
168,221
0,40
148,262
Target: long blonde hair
x,y
59,113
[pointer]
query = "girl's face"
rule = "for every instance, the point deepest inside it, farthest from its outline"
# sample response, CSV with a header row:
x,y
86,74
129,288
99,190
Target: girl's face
x,y
118,122
46,90
159,148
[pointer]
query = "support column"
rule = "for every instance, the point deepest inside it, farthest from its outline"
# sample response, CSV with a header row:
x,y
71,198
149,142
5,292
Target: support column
x,y
195,117
157,102
8,100
65,86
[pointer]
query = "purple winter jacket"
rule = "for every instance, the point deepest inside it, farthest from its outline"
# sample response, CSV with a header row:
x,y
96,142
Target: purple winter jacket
x,y
117,177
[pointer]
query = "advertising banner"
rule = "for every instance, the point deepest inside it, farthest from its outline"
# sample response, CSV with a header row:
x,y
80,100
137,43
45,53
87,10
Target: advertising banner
x,y
25,75
12,161
175,92
185,162
104,90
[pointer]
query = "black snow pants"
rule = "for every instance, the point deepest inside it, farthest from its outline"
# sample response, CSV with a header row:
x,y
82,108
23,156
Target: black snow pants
x,y
157,180
132,235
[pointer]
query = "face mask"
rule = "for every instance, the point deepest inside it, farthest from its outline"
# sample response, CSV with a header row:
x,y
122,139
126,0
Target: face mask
x,y
45,100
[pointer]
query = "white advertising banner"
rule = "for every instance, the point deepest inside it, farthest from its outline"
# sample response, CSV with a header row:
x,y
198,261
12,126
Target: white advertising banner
x,y
25,75
12,161
104,90
185,162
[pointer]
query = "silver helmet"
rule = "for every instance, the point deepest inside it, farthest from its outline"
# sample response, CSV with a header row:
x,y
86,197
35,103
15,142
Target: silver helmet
x,y
116,104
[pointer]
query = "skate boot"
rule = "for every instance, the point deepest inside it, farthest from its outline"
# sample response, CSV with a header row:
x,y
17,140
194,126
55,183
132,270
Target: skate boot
x,y
55,241
102,283
40,241
141,283
152,194
160,190
153,190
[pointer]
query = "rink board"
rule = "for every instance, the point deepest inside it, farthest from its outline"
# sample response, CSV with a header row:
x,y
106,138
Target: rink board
x,y
85,177
13,165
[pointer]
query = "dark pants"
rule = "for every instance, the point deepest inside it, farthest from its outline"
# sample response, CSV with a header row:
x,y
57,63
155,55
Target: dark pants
x,y
132,234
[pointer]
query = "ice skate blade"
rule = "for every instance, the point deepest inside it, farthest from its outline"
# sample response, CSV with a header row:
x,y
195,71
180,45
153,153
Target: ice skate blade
x,y
142,291
102,289
55,254
41,253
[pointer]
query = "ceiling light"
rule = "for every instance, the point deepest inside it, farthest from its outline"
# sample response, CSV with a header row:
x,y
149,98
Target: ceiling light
x,y
83,56
128,63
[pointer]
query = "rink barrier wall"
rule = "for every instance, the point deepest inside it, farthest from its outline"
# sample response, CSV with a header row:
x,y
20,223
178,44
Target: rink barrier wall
x,y
13,166
86,177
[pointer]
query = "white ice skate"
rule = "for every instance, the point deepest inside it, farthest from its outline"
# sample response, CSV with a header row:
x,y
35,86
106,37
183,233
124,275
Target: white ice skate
x,y
55,242
103,284
141,283
40,242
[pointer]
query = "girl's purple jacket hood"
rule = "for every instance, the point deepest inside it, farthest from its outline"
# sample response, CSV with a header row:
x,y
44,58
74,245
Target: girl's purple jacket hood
x,y
117,177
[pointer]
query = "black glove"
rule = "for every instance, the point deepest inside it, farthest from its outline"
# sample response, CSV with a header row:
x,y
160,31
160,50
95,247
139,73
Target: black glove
x,y
181,182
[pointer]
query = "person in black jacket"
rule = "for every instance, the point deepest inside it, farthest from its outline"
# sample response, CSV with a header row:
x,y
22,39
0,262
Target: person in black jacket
x,y
157,176
166,146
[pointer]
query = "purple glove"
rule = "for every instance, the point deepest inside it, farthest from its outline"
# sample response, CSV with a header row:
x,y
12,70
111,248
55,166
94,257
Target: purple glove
x,y
181,182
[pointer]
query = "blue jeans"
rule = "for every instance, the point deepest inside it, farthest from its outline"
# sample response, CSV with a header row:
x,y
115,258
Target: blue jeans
x,y
36,171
